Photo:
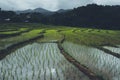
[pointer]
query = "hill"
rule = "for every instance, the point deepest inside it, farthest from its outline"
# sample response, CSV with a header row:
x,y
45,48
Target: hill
x,y
91,16
37,10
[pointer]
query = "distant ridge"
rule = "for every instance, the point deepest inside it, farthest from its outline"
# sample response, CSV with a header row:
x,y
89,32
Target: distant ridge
x,y
37,10
62,10
42,11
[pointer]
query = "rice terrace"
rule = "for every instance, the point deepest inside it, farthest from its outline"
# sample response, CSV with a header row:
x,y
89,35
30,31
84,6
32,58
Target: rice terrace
x,y
59,39
31,51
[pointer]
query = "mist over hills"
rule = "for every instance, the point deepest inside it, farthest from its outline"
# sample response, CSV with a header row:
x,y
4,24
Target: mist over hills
x,y
41,10
92,15
37,10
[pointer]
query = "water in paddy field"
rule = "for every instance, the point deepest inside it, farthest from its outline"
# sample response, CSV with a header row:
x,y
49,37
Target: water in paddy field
x,y
38,62
103,64
113,49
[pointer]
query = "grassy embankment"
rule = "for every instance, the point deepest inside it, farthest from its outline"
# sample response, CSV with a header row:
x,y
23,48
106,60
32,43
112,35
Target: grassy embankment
x,y
82,36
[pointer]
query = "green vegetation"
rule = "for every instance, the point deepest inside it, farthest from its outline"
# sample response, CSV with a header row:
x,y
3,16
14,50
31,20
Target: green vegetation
x,y
51,35
96,60
93,37
25,36
80,43
14,31
83,36
39,62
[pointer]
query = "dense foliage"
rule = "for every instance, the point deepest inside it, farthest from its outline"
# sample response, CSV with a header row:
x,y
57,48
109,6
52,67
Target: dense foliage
x,y
95,16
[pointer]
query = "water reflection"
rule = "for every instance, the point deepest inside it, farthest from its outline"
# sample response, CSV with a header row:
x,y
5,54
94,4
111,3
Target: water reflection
x,y
38,62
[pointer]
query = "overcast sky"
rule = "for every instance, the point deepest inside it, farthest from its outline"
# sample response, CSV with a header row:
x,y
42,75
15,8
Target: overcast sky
x,y
51,4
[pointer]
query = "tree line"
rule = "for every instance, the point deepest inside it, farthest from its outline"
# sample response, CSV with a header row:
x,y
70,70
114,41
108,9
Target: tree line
x,y
92,15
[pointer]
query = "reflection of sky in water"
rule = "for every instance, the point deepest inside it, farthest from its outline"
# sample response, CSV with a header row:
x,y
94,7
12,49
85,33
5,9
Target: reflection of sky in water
x,y
113,49
38,62
53,71
101,63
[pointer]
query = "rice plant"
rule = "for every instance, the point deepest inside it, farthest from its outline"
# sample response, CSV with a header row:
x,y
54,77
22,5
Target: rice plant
x,y
99,62
113,49
51,36
25,36
38,62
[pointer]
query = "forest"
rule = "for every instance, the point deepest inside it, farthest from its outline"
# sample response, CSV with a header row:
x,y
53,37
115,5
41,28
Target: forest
x,y
75,44
90,16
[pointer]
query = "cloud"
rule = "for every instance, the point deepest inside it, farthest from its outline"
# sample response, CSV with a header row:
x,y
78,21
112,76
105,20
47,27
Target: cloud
x,y
28,4
73,3
51,4
107,2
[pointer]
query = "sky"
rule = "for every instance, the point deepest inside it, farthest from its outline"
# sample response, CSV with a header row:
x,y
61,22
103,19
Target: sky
x,y
51,5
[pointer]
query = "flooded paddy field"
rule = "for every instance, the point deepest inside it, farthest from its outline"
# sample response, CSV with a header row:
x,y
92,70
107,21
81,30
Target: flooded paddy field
x,y
45,52
38,62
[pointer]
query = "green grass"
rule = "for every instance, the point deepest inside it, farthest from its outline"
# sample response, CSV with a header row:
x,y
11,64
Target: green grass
x,y
93,38
51,35
28,35
25,36
77,36
83,36
13,32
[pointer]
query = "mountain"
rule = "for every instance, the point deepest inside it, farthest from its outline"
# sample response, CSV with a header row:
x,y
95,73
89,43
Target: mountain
x,y
41,10
62,10
37,10
92,15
